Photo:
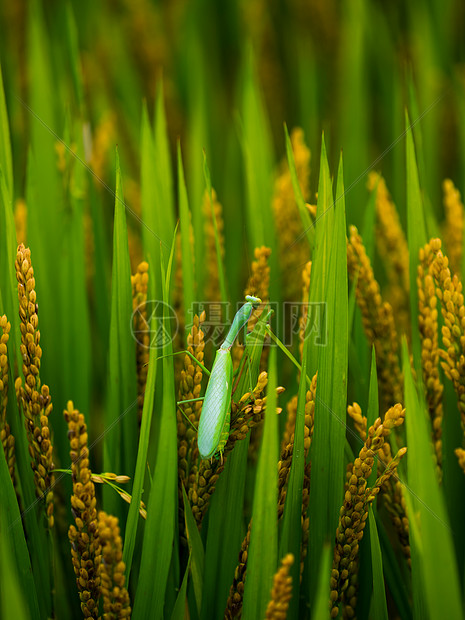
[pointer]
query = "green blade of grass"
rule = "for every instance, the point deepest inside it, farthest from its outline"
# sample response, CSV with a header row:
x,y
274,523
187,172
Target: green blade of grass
x,y
320,609
395,580
416,233
196,551
120,442
263,549
354,112
164,173
324,221
327,450
430,535
12,528
379,607
291,532
144,437
76,344
72,48
157,546
156,188
179,609
6,163
12,601
258,162
188,252
309,228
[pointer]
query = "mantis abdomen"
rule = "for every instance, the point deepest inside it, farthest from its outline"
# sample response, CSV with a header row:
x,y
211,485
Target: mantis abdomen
x,y
216,406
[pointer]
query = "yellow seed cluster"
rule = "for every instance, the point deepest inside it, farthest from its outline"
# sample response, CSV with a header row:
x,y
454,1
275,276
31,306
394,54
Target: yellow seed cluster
x,y
211,260
306,273
354,513
35,398
245,415
190,387
103,141
393,249
281,591
291,411
236,592
7,439
454,225
378,321
249,411
360,421
390,237
115,596
449,292
20,220
83,535
286,213
259,281
141,327
391,491
428,327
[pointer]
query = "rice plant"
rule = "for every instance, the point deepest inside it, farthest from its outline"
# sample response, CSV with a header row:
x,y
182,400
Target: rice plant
x,y
293,170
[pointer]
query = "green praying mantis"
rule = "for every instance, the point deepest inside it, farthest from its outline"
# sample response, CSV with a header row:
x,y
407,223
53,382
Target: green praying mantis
x,y
215,418
213,429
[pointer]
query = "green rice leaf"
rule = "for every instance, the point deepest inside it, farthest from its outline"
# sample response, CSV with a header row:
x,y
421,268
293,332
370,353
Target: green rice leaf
x,y
12,603
11,527
72,43
320,609
196,551
416,234
156,189
291,532
373,406
395,580
179,609
324,222
379,606
188,277
120,442
430,535
6,163
76,344
327,450
157,546
263,549
144,437
258,167
163,179
309,228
